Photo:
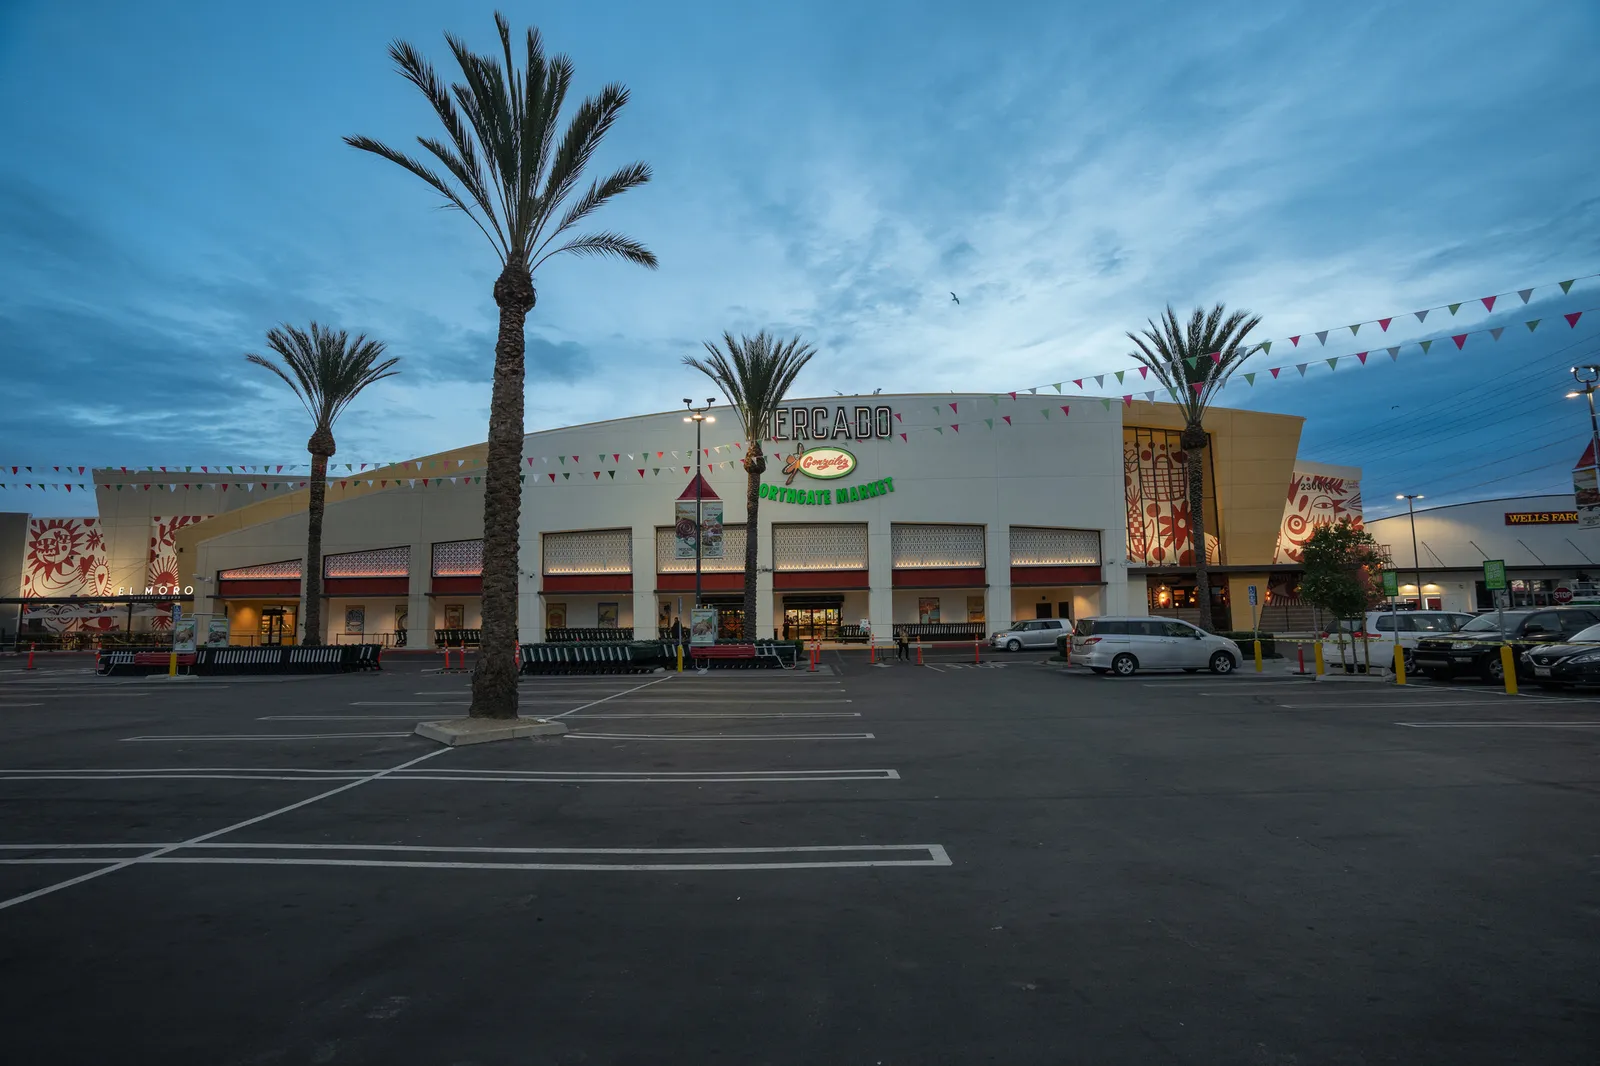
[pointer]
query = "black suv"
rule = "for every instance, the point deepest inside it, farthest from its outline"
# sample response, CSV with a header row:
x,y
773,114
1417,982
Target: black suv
x,y
1475,647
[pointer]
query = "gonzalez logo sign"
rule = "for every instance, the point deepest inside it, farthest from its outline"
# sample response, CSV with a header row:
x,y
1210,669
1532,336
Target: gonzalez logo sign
x,y
824,464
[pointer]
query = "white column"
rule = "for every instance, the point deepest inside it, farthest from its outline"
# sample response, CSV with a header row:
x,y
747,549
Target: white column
x,y
419,609
997,571
880,576
644,582
530,612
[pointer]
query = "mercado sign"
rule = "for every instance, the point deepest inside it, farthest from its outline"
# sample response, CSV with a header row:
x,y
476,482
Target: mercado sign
x,y
1541,518
820,422
827,497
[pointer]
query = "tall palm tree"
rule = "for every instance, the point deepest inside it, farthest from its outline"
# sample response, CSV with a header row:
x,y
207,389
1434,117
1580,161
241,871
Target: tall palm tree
x,y
755,374
511,176
1193,361
326,370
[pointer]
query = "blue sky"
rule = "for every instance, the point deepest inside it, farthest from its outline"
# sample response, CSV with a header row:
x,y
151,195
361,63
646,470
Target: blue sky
x,y
174,184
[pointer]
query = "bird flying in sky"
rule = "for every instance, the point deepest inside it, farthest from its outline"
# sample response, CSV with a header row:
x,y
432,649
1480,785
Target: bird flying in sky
x,y
954,297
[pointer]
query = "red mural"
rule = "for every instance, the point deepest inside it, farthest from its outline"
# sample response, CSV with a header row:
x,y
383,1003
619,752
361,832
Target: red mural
x,y
1155,478
163,568
66,557
1314,500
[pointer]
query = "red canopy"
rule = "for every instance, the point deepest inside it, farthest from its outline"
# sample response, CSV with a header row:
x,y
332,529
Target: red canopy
x,y
706,491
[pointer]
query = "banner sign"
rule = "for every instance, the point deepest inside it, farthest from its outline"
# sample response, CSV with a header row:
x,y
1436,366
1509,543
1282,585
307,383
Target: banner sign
x,y
703,625
217,632
1586,490
710,527
1541,518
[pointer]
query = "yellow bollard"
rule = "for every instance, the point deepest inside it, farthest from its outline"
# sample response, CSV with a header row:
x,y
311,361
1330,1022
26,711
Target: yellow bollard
x,y
680,658
1508,664
1317,654
1258,656
172,662
1399,664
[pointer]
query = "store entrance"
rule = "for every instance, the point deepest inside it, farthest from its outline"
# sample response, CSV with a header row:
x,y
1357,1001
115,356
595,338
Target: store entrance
x,y
804,623
277,626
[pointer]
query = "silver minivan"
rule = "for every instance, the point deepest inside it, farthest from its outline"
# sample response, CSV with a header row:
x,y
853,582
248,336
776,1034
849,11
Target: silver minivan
x,y
1124,646
1034,633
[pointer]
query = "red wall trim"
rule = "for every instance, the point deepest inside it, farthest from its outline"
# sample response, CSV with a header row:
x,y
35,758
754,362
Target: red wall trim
x,y
944,577
588,583
719,582
820,580
461,586
1039,576
249,590
366,586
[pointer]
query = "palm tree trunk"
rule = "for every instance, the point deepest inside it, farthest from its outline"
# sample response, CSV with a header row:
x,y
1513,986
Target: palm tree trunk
x,y
752,501
1194,447
311,569
494,681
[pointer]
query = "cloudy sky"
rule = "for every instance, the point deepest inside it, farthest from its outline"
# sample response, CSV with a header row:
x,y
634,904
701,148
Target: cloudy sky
x,y
174,184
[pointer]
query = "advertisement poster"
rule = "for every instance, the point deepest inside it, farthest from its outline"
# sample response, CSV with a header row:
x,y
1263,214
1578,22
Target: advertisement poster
x,y
975,609
183,635
555,616
217,633
1586,487
703,625
710,529
928,609
455,615
606,616
355,619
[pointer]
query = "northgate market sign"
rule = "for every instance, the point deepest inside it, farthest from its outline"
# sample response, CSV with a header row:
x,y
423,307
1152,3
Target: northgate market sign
x,y
823,464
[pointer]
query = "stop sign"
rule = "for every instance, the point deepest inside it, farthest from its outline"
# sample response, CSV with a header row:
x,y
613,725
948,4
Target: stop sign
x,y
1563,595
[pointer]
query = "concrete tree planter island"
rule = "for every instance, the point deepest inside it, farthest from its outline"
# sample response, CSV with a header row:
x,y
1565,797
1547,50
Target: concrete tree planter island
x,y
458,732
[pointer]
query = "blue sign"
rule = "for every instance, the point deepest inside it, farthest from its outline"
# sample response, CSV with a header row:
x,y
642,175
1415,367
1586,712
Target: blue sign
x,y
1252,595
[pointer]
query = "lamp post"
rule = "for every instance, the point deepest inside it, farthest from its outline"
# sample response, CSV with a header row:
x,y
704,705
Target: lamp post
x,y
698,416
1588,376
1411,499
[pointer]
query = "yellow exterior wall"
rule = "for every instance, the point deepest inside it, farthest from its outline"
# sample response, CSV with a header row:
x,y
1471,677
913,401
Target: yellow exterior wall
x,y
1252,462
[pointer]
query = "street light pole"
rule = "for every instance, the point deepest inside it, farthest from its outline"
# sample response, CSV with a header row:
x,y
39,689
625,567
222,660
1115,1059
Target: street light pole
x,y
1587,376
698,416
1416,560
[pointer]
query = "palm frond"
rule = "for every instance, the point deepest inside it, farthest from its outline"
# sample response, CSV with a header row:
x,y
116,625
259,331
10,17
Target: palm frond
x,y
754,373
603,244
324,368
1193,359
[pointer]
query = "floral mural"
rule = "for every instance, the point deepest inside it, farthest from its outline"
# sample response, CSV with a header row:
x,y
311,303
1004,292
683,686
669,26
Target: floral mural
x,y
66,557
1315,499
1156,486
163,567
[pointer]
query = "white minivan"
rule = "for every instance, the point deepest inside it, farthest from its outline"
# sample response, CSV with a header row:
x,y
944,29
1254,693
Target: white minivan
x,y
1124,646
1033,633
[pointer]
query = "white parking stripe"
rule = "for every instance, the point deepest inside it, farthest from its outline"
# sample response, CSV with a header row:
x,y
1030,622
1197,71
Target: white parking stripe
x,y
259,736
1500,725
720,736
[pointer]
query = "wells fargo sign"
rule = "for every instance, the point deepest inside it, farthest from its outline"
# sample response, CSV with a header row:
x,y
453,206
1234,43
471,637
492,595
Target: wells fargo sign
x,y
1541,518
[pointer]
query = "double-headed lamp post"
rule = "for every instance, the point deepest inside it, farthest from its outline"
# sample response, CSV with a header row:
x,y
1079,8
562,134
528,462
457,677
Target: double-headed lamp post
x,y
1588,376
698,416
1411,499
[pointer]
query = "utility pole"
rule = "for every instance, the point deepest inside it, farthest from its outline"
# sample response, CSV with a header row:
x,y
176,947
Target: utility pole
x,y
1416,562
698,416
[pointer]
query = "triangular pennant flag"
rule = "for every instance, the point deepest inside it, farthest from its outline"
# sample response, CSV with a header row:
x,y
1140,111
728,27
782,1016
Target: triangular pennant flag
x,y
897,418
1422,316
613,474
1454,308
1533,324
939,430
1333,364
1488,302
566,475
1191,361
1216,358
1012,395
1525,294
952,407
956,427
1150,396
902,436
655,471
616,457
685,470
990,422
1566,286
574,458
1274,372
641,471
1066,409
1057,386
936,409
1425,346
1033,391
1119,377
1197,386
1078,382
1572,319
1105,403
1046,412
1250,379
1496,331
1461,340
1363,357
1295,341
1355,329
996,400
1383,324
1394,353
1127,401
1100,381
562,459
1322,336
597,475
1302,368
1144,371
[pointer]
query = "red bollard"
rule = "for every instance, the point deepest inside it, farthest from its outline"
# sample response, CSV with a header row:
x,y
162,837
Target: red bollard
x,y
975,657
31,647
1300,651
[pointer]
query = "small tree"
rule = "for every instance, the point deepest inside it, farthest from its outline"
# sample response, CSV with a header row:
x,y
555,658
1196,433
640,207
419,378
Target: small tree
x,y
1341,559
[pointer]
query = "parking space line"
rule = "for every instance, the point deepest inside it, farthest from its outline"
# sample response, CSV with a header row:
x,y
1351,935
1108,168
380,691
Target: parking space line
x,y
720,736
526,777
1424,703
641,714
1500,725
257,736
202,838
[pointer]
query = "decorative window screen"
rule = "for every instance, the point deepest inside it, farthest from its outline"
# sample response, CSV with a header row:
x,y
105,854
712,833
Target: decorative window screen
x,y
289,569
589,551
819,546
1156,484
379,562
922,546
732,559
1042,546
458,558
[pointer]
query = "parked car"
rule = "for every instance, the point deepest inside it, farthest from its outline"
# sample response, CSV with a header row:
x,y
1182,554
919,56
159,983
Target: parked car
x,y
1378,628
1574,661
1034,633
1124,646
1475,647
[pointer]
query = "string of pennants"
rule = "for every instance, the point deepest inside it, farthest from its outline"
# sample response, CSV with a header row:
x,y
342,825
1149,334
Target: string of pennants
x,y
268,476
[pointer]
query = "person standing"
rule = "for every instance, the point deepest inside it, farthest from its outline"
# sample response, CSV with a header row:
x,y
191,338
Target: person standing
x,y
902,645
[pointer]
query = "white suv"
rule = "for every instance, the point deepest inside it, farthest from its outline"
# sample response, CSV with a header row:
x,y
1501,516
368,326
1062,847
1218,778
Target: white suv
x,y
1123,646
1034,633
1379,627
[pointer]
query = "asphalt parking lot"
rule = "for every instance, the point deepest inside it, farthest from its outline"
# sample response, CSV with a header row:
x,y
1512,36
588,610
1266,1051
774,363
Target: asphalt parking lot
x,y
955,863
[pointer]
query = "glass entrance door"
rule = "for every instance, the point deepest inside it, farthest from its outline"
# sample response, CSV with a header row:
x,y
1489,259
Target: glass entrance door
x,y
804,623
277,625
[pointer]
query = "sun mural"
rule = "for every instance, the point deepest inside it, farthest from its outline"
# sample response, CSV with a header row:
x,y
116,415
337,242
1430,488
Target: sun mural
x,y
163,568
66,557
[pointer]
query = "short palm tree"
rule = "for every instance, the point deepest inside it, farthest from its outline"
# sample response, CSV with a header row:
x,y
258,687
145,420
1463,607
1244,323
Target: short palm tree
x,y
755,374
1193,361
326,370
515,178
